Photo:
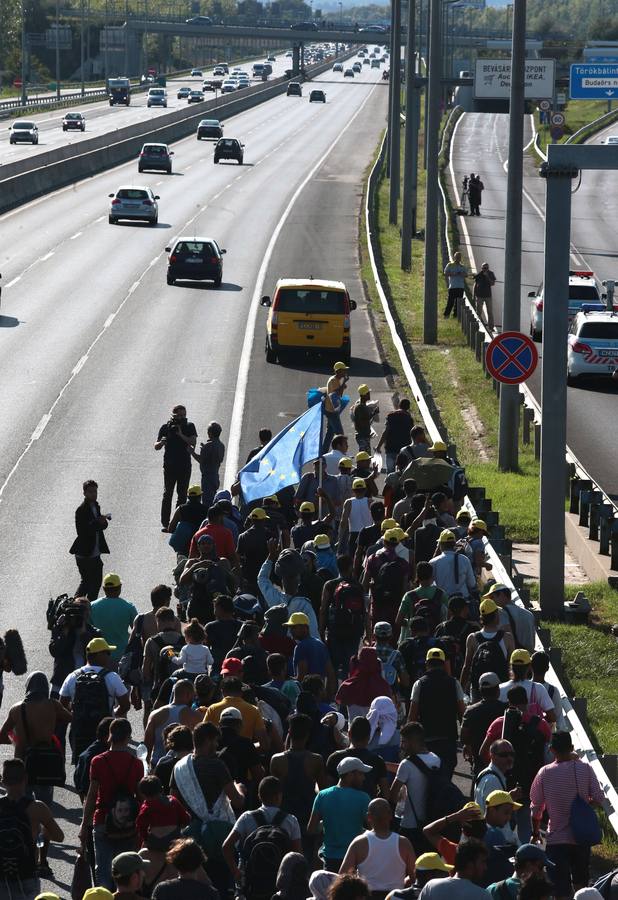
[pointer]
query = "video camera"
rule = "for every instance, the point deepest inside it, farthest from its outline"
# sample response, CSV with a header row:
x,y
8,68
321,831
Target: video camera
x,y
65,611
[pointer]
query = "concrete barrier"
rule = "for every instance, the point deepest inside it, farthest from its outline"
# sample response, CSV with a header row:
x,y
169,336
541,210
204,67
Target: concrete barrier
x,y
71,163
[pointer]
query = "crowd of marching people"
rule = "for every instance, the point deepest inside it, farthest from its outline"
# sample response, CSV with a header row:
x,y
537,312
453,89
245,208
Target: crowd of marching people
x,y
335,699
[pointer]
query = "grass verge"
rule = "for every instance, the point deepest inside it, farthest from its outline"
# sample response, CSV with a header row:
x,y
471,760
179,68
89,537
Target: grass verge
x,y
578,113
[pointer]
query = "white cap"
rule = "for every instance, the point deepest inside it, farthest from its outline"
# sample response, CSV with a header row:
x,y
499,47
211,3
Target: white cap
x,y
231,713
352,764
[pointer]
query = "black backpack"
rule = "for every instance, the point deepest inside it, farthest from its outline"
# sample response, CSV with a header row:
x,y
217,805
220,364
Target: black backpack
x,y
346,614
262,853
529,746
17,850
443,797
90,705
488,657
389,583
163,668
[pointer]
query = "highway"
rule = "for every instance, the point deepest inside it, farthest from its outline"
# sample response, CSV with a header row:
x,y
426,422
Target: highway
x,y
480,145
102,118
95,348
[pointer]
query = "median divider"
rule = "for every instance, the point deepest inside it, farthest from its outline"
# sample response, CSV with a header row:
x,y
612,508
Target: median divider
x,y
71,163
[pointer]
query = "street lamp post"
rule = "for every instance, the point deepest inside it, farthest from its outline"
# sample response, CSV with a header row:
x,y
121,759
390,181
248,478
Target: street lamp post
x,y
395,113
58,49
432,124
81,49
24,93
410,159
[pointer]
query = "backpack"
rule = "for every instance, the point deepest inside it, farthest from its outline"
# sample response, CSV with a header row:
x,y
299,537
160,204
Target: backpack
x,y
488,657
130,664
443,797
262,853
120,822
346,614
389,672
528,744
430,608
163,667
414,652
17,850
388,585
604,883
90,705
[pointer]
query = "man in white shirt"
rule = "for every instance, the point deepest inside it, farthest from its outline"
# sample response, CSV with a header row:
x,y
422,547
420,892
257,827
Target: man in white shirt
x,y
410,778
339,449
539,701
452,571
514,617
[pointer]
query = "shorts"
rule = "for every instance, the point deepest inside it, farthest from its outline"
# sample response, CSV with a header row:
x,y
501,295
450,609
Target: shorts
x,y
572,867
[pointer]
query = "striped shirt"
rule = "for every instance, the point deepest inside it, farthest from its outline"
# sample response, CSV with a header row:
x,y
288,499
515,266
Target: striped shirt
x,y
554,789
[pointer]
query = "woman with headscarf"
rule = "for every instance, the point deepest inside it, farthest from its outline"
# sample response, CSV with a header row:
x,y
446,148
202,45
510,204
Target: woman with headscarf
x,y
382,718
364,684
292,878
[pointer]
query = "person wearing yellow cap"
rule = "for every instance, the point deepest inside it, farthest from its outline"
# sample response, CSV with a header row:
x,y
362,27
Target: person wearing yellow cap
x,y
487,650
355,515
363,413
500,808
539,701
95,893
90,542
75,686
386,577
309,524
113,615
437,702
311,656
514,617
365,469
186,520
472,823
428,866
333,403
452,571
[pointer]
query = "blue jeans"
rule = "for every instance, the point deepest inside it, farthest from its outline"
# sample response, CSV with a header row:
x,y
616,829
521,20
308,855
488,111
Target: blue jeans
x,y
333,427
104,852
391,459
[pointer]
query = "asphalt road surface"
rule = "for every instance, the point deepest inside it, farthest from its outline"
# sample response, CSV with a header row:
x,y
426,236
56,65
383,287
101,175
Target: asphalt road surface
x,y
480,145
102,118
95,348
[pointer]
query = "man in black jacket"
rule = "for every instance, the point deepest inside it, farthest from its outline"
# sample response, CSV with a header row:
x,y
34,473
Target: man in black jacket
x,y
90,542
177,439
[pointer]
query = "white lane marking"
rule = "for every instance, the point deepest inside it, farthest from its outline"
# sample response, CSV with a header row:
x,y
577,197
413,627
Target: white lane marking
x,y
76,235
235,432
38,431
100,219
154,261
14,281
79,365
109,320
157,183
47,256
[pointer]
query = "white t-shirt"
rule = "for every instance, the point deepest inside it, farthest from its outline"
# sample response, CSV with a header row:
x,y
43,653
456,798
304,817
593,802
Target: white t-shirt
x,y
536,693
332,461
416,787
113,682
194,658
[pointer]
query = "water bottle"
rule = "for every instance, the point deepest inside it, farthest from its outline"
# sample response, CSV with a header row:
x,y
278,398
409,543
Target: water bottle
x,y
142,754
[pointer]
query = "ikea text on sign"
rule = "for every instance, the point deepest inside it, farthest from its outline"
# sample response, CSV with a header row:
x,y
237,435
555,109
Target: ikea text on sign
x,y
492,79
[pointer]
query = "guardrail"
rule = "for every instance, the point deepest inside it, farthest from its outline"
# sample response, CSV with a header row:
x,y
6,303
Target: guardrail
x,y
581,739
596,510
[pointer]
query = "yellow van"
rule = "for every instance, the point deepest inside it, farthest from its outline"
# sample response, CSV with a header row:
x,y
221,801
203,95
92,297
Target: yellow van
x,y
310,315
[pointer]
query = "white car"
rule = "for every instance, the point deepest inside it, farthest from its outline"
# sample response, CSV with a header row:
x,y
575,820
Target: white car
x,y
593,345
611,139
23,133
156,97
583,289
196,73
228,87
134,202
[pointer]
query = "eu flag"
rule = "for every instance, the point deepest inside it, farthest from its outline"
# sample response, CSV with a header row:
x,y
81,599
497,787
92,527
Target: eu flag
x,y
279,464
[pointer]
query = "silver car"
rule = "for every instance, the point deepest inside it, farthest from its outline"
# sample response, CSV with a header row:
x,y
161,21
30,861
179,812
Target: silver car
x,y
23,133
137,203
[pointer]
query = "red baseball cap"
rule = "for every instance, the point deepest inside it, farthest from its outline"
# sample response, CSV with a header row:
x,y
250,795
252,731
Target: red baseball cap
x,y
232,666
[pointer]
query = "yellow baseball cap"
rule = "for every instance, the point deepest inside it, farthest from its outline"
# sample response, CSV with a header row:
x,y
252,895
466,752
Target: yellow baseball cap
x,y
340,367
498,798
388,523
488,606
112,580
99,645
432,862
307,506
362,456
471,805
462,514
272,499
520,657
438,447
497,588
346,462
363,390
392,536
95,893
194,491
479,525
435,653
258,514
297,618
49,895
358,484
321,540
446,536
400,533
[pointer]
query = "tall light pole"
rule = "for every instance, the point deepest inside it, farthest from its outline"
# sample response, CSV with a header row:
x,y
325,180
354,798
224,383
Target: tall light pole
x,y
410,158
395,113
508,450
81,49
58,49
106,32
432,124
24,93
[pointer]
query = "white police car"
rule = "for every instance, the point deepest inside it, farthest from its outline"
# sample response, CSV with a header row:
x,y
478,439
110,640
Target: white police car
x,y
593,345
583,288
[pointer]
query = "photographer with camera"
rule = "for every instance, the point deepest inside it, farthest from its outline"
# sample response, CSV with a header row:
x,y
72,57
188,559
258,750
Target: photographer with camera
x,y
90,542
71,632
177,438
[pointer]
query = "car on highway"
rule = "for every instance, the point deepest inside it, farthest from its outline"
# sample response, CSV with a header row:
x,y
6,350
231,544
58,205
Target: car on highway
x,y
229,148
196,73
156,97
592,345
195,259
228,87
304,26
338,67
357,67
294,89
155,157
73,121
195,97
308,314
271,58
268,69
611,139
258,68
219,70
135,203
22,132
317,96
183,93
209,128
366,61
199,20
349,73
583,289
375,63
209,87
